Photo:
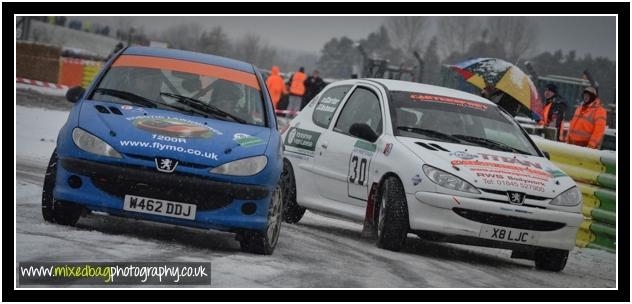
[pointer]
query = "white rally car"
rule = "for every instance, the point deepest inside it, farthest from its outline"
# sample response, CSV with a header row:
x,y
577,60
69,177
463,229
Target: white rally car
x,y
443,164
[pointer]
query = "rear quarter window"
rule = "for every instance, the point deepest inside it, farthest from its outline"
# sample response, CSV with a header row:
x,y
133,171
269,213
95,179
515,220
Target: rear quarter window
x,y
328,104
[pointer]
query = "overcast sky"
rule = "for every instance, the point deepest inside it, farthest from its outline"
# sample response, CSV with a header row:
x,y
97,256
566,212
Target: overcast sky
x,y
590,34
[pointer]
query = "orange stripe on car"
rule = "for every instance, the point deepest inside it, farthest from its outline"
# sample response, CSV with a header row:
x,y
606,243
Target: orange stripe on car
x,y
188,67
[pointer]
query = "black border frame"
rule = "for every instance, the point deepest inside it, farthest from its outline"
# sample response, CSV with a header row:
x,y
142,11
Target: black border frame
x,y
368,295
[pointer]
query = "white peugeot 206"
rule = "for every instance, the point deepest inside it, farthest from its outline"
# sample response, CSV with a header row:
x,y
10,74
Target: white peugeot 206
x,y
443,164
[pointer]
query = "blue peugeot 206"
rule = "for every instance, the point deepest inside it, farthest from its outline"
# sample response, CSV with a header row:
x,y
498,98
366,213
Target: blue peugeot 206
x,y
175,137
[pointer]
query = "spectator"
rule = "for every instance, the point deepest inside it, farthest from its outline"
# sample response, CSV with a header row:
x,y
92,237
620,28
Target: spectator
x,y
313,84
589,122
297,89
553,110
275,85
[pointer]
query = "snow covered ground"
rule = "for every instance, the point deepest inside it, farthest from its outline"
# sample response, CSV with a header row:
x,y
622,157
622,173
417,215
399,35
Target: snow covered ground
x,y
317,252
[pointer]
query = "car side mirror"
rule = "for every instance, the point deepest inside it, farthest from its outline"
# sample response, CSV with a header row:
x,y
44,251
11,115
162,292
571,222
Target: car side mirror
x,y
547,155
74,94
363,131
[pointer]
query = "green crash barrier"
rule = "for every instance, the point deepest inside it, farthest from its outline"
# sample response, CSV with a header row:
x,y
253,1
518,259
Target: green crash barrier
x,y
580,174
607,198
594,171
607,180
604,216
610,162
603,229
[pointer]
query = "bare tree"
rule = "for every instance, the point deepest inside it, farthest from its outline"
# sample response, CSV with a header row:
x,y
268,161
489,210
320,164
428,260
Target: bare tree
x,y
458,33
183,36
407,32
519,35
215,42
251,48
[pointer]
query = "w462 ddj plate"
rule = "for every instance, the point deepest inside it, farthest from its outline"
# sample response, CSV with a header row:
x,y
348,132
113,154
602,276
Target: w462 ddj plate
x,y
159,207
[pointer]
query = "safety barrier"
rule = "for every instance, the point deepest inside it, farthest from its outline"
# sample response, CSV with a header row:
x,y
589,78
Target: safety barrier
x,y
594,171
78,72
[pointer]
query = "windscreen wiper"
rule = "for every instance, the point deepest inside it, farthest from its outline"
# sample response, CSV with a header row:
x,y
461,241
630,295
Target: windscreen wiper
x,y
199,105
128,96
430,133
490,143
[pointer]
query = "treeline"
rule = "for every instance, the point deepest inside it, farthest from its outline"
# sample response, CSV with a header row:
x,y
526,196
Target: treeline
x,y
250,47
514,39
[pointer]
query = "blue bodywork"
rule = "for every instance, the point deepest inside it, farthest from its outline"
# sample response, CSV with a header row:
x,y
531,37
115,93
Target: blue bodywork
x,y
105,179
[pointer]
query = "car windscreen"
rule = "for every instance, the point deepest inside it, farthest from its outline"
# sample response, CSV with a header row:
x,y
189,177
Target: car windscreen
x,y
185,86
456,120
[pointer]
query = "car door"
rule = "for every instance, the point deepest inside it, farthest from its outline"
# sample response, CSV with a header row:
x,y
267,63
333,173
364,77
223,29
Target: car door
x,y
303,137
344,160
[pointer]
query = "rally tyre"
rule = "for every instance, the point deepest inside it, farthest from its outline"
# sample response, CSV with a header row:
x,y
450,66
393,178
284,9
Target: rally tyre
x,y
47,191
264,242
55,211
551,259
392,219
292,211
67,213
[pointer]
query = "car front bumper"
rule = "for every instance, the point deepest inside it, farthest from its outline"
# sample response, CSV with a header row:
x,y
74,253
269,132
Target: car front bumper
x,y
465,217
219,204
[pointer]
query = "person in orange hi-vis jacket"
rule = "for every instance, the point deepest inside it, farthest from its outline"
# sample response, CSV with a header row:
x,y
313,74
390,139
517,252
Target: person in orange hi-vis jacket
x,y
297,90
589,122
276,86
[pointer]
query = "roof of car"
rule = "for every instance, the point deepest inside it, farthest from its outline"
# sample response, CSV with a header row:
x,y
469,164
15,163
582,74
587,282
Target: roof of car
x,y
190,56
399,85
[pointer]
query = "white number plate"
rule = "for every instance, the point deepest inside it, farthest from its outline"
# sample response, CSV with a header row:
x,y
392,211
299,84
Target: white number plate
x,y
159,207
508,234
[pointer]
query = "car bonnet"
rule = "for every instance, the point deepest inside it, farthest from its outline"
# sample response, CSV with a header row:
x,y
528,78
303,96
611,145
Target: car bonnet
x,y
146,132
491,169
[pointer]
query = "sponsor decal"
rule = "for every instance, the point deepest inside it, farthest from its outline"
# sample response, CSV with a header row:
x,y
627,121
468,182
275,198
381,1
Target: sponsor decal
x,y
246,140
167,147
416,180
301,141
463,155
387,149
510,160
171,126
127,107
363,145
449,100
555,172
166,164
328,104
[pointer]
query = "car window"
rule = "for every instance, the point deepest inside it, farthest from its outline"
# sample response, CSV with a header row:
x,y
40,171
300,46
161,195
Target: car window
x,y
238,95
454,117
328,104
363,106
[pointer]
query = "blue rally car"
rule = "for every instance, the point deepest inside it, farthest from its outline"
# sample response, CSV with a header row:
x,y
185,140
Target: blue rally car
x,y
176,137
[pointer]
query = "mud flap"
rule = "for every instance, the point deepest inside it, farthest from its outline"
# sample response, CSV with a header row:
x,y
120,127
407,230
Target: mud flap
x,y
369,229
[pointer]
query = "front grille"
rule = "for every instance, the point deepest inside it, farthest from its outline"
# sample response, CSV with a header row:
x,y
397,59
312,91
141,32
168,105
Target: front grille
x,y
119,180
180,163
508,221
500,192
507,202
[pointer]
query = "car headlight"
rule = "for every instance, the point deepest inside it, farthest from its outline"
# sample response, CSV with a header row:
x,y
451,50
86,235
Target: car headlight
x,y
90,143
242,167
447,180
569,198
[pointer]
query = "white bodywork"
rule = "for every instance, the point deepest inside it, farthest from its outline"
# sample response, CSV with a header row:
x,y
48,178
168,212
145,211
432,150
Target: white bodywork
x,y
325,161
